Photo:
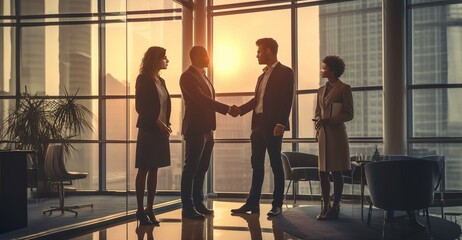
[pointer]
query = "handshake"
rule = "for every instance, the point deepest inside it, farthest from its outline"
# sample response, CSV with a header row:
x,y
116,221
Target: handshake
x,y
234,111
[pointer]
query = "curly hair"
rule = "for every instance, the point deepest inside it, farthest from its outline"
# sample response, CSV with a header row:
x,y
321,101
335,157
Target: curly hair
x,y
151,60
335,64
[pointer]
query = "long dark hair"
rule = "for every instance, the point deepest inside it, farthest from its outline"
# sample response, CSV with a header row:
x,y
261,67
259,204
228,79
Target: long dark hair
x,y
151,60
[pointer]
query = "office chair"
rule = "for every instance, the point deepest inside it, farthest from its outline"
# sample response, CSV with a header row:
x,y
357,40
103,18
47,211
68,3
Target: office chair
x,y
56,172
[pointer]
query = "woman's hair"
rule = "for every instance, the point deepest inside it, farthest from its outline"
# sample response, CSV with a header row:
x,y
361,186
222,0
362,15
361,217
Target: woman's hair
x,y
151,60
335,64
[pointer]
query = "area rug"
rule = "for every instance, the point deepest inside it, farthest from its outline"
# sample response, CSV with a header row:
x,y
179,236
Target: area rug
x,y
301,222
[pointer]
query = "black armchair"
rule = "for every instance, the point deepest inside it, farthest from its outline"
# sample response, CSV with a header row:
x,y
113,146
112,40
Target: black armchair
x,y
440,186
56,172
299,166
403,185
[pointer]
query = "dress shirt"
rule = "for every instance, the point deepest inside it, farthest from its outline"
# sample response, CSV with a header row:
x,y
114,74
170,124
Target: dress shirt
x,y
261,88
163,98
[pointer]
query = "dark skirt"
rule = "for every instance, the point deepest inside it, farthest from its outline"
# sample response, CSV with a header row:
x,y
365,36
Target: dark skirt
x,y
152,150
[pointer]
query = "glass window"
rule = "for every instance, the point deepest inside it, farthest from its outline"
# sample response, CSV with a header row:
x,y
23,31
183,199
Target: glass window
x,y
137,5
116,119
116,60
368,117
352,31
115,5
5,8
33,7
92,105
84,159
67,58
7,70
116,166
436,45
309,59
451,153
306,111
435,112
235,66
6,107
166,34
219,2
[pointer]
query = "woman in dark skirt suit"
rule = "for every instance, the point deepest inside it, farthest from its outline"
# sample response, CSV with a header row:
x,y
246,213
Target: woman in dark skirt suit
x,y
153,105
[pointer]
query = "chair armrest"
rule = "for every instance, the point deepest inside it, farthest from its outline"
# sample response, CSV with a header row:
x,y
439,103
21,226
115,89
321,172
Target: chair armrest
x,y
304,168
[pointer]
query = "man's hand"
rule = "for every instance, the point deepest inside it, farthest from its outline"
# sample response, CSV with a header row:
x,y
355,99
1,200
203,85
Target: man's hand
x,y
164,129
278,130
234,111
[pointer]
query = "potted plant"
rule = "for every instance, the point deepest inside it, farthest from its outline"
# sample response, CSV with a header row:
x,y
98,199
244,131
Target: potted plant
x,y
38,121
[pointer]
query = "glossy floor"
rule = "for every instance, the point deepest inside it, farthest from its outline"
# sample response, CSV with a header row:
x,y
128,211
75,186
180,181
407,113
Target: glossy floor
x,y
221,226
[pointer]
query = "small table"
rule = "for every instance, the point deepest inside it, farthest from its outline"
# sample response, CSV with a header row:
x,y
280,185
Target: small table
x,y
361,164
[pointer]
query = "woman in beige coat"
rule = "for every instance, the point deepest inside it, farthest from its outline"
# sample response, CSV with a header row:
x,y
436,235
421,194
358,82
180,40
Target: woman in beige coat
x,y
334,107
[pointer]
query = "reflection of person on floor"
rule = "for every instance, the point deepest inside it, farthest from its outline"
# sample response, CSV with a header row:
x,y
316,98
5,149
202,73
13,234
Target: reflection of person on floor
x,y
143,230
192,229
253,223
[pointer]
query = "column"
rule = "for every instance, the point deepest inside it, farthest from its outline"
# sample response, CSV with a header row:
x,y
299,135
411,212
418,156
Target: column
x,y
394,77
200,23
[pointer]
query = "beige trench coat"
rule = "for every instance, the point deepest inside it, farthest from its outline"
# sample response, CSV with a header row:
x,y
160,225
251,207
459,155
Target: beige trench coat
x,y
337,106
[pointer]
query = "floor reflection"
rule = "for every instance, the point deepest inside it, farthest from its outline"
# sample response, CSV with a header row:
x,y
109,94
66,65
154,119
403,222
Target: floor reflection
x,y
222,226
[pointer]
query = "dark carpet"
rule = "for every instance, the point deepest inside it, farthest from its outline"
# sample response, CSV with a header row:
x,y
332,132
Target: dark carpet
x,y
301,222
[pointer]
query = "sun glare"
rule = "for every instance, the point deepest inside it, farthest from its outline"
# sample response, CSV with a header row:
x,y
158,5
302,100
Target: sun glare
x,y
225,59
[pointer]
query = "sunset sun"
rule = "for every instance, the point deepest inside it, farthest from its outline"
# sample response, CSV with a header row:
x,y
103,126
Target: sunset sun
x,y
225,58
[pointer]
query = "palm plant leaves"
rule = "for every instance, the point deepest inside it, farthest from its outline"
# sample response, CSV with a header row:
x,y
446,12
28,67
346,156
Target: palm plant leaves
x,y
37,121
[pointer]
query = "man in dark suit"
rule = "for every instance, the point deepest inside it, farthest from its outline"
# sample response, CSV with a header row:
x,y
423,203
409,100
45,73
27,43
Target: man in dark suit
x,y
270,118
198,124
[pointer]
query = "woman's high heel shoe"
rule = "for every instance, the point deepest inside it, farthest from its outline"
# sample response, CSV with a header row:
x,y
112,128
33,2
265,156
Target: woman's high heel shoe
x,y
333,213
151,216
142,218
323,212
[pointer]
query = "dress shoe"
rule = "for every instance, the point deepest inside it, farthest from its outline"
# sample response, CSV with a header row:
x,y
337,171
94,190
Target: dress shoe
x,y
142,218
192,214
246,208
151,216
201,208
274,211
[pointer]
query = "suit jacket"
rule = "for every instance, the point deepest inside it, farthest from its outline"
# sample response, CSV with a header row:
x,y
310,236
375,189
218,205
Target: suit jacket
x,y
199,102
147,103
278,98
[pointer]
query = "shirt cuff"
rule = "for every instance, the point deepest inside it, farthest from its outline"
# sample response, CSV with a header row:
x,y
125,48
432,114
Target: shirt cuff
x,y
281,125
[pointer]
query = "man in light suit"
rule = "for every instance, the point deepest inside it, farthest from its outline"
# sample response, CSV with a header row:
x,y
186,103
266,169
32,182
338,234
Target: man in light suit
x,y
270,108
198,124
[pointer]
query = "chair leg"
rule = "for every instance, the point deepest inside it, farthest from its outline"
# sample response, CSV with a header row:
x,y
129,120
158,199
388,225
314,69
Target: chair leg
x,y
384,224
369,215
311,190
294,189
428,221
287,190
